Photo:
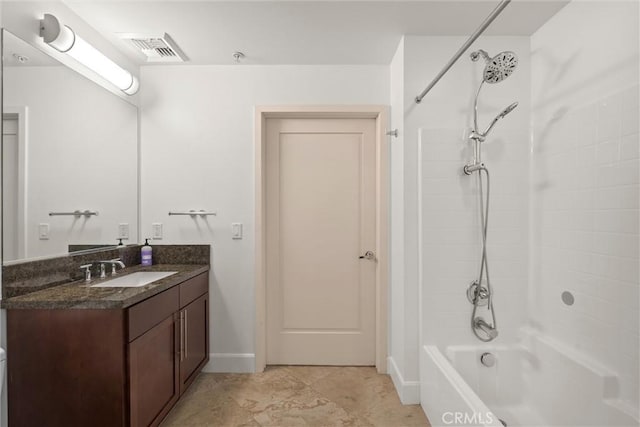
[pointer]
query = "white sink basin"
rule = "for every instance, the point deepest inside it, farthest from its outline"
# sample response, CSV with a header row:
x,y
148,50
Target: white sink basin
x,y
134,280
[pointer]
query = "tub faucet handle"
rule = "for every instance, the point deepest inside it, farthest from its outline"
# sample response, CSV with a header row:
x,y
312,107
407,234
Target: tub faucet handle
x,y
488,329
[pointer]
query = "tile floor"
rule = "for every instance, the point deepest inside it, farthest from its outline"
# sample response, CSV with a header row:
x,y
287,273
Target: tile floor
x,y
322,396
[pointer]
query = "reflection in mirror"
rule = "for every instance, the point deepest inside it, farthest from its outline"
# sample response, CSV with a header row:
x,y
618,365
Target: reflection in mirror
x,y
69,148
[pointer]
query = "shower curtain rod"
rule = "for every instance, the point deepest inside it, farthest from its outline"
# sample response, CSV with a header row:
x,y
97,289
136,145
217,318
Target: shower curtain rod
x,y
493,15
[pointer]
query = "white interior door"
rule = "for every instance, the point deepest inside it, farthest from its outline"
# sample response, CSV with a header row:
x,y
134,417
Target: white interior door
x,y
320,218
10,180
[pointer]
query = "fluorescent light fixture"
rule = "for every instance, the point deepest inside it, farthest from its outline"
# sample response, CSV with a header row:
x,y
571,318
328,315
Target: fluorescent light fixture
x,y
63,39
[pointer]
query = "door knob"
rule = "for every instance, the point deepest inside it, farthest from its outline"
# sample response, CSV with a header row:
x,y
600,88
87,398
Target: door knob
x,y
368,255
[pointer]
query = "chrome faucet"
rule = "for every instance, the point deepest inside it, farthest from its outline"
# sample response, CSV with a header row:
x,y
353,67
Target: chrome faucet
x,y
114,263
491,332
87,272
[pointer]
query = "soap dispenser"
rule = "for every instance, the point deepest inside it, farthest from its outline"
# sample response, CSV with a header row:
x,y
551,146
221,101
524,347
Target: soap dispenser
x,y
146,254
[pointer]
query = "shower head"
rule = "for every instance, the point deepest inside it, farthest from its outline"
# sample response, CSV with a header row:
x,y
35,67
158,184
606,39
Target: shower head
x,y
499,67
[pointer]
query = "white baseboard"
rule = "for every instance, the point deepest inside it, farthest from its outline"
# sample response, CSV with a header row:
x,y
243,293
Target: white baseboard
x,y
408,391
231,363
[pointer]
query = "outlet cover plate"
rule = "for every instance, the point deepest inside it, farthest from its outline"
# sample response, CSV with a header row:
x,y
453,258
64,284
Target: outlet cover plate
x,y
156,231
123,230
236,230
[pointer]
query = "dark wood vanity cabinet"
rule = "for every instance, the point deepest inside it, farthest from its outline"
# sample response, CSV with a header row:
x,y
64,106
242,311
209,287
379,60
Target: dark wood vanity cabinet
x,y
174,327
153,368
106,367
194,340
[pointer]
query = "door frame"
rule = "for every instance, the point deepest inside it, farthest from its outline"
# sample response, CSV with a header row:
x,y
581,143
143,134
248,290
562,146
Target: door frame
x,y
380,114
20,113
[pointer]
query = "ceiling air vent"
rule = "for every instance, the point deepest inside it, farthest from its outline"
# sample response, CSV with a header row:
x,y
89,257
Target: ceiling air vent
x,y
155,48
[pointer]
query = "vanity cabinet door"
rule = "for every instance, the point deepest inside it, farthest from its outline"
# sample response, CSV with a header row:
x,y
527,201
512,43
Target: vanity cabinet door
x,y
154,373
194,339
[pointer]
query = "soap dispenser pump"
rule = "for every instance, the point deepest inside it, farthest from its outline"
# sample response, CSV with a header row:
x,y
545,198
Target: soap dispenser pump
x,y
146,254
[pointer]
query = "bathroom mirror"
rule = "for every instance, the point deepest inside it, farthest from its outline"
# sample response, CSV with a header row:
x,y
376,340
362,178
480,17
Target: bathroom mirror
x,y
69,158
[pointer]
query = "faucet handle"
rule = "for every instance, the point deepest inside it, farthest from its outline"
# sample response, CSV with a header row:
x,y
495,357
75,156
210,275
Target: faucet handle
x,y
114,264
87,272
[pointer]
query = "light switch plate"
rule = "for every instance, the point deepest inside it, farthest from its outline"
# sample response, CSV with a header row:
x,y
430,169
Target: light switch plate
x,y
156,230
236,230
43,231
123,230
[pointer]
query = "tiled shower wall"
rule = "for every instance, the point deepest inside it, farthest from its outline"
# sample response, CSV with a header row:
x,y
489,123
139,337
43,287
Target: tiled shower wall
x,y
451,232
584,184
449,225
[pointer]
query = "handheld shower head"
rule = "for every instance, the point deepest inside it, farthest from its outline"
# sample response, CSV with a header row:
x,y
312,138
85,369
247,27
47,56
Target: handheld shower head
x,y
499,67
509,109
503,113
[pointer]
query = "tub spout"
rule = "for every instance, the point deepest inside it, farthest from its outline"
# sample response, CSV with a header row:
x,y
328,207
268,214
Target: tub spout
x,y
489,330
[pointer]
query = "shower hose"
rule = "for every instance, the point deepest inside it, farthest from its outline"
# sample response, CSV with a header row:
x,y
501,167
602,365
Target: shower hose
x,y
484,264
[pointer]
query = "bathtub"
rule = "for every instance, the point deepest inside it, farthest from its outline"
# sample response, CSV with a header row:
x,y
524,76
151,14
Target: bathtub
x,y
537,382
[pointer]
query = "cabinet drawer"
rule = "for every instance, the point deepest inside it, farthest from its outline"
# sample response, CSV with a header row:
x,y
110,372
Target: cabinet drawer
x,y
193,288
148,313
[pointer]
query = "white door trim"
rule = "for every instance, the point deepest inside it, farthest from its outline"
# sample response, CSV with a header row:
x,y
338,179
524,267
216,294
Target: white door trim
x,y
380,114
20,113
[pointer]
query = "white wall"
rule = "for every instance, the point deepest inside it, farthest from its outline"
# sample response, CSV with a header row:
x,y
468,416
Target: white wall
x,y
81,154
584,184
198,153
407,390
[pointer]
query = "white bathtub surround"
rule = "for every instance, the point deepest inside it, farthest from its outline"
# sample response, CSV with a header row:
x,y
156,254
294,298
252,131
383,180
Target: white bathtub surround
x,y
450,240
451,233
539,381
436,233
585,186
565,217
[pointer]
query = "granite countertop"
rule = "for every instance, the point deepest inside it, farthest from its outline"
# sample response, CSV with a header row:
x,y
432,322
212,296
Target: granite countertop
x,y
79,294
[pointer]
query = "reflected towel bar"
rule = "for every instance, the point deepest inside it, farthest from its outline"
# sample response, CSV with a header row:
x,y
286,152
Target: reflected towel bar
x,y
86,213
193,213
